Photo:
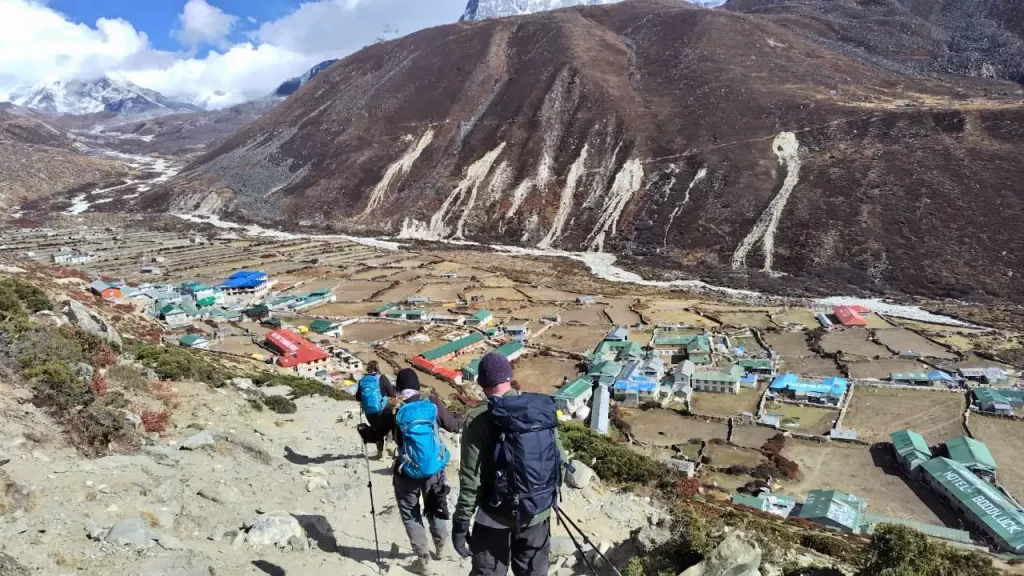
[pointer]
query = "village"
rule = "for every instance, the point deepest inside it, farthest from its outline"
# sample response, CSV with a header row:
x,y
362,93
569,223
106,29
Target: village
x,y
888,419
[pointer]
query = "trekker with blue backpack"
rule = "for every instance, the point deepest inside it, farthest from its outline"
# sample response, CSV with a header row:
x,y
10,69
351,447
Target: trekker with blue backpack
x,y
373,392
509,478
419,466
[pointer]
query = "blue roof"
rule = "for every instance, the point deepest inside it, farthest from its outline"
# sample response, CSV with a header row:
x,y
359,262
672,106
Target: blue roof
x,y
636,385
832,386
245,279
940,375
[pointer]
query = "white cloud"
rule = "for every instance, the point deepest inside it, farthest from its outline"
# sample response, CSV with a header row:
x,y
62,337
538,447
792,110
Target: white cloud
x,y
39,44
201,22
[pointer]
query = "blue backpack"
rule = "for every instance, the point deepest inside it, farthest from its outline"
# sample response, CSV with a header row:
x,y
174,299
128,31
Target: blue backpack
x,y
527,462
422,454
370,398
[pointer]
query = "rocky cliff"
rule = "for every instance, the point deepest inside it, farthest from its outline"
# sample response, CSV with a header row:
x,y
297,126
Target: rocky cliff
x,y
732,144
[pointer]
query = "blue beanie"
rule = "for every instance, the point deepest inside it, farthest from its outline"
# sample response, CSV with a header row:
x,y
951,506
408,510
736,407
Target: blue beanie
x,y
494,370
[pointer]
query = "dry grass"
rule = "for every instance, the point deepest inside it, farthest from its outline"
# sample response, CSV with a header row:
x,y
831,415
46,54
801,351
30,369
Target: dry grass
x,y
875,413
1005,439
727,404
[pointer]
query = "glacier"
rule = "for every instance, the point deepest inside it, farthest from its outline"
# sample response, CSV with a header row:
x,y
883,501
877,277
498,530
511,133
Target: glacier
x,y
483,9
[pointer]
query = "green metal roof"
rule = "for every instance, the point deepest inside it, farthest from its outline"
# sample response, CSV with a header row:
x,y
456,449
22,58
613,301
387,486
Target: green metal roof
x,y
258,309
971,453
733,374
839,507
190,339
481,315
758,363
472,370
999,395
755,502
383,308
624,348
320,326
452,346
574,389
509,349
910,445
984,501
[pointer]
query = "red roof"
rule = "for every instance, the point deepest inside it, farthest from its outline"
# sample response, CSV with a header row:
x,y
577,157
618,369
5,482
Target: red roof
x,y
850,315
294,349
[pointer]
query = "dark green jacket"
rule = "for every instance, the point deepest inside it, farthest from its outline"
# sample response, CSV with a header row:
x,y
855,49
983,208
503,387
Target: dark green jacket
x,y
476,471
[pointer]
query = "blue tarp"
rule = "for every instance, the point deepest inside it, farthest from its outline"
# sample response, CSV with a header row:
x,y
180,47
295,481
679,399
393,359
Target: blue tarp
x,y
939,375
830,386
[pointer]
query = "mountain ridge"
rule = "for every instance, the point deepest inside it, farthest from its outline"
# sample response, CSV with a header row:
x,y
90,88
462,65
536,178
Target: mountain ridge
x,y
709,142
99,95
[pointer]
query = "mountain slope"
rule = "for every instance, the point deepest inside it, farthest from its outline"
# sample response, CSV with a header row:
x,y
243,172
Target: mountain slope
x,y
718,143
483,9
37,159
288,87
104,94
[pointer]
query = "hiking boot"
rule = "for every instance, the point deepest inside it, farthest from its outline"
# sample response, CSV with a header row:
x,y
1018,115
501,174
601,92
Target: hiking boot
x,y
421,565
380,453
443,549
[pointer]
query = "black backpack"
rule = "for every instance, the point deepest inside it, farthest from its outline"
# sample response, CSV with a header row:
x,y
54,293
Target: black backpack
x,y
526,458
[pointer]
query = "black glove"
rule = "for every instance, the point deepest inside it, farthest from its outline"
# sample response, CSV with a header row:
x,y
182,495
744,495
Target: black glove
x,y
460,539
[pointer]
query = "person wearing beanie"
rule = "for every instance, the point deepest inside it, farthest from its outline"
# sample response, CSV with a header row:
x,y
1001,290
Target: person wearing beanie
x,y
495,544
434,490
376,434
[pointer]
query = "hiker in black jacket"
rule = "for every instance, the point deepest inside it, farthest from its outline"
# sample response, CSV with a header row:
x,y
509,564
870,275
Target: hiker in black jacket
x,y
434,489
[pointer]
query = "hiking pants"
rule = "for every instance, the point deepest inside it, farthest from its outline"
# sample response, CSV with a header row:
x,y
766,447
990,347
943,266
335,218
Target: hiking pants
x,y
496,549
434,491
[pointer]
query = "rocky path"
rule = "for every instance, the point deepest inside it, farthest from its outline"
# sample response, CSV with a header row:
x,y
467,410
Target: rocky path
x,y
257,493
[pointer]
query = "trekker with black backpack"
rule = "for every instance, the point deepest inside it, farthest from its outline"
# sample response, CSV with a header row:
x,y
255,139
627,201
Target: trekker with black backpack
x,y
419,467
373,393
510,477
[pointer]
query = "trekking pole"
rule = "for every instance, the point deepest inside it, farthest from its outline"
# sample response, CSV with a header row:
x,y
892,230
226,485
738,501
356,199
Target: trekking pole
x,y
575,543
369,486
586,539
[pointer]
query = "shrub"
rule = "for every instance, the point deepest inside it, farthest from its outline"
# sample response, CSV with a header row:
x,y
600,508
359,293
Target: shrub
x,y
98,429
897,550
104,356
302,386
99,385
154,420
180,364
165,393
10,304
57,387
31,297
127,376
280,404
116,400
829,546
615,463
256,404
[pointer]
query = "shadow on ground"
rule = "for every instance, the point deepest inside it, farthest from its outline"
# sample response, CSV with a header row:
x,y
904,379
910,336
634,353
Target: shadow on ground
x,y
303,460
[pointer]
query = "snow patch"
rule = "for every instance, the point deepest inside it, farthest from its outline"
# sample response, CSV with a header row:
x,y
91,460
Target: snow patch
x,y
701,174
627,183
565,202
787,149
398,171
255,230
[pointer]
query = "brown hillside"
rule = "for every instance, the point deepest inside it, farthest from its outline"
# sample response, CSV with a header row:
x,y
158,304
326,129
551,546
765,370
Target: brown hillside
x,y
37,159
714,141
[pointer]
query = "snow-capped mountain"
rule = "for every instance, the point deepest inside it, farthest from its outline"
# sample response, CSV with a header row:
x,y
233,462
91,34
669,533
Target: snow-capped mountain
x,y
482,9
104,94
288,87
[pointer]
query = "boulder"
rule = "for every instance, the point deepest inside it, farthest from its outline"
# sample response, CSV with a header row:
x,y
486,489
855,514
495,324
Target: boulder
x,y
561,547
134,532
242,383
274,529
219,494
649,538
735,556
198,441
178,565
79,315
84,372
581,476
162,454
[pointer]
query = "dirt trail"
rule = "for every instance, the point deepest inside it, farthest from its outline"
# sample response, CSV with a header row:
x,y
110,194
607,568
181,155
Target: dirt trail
x,y
305,464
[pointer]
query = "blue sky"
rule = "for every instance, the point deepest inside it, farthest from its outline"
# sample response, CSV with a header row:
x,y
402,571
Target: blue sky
x,y
213,52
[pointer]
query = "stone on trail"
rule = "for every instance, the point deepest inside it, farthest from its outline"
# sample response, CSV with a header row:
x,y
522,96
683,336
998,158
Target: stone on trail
x,y
163,455
317,482
735,556
198,441
134,532
581,476
561,547
274,529
649,538
298,544
219,494
11,567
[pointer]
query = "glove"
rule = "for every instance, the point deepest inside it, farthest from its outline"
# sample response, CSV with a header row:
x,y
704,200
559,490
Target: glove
x,y
460,539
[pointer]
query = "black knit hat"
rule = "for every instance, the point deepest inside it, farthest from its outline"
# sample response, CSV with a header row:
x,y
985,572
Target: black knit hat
x,y
408,380
494,369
